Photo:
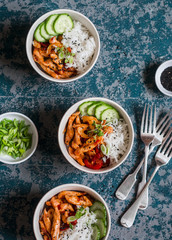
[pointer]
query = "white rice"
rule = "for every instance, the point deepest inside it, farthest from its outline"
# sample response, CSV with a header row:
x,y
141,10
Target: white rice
x,y
82,230
118,140
82,44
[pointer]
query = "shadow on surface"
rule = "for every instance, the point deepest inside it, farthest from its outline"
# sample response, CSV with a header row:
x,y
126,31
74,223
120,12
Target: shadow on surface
x,y
17,215
149,76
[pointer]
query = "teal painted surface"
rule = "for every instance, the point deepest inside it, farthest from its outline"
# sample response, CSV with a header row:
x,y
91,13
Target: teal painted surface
x,y
135,38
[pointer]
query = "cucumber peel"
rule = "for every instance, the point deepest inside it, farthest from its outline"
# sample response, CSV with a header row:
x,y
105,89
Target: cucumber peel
x,y
37,34
83,107
62,23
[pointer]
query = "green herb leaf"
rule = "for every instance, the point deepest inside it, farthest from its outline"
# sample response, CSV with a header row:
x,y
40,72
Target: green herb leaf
x,y
61,55
71,226
100,133
79,213
71,60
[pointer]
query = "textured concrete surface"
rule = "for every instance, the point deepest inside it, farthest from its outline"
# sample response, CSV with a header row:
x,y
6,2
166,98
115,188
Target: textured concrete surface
x,y
135,39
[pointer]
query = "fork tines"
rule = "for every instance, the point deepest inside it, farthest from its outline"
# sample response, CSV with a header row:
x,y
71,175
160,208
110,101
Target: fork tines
x,y
164,125
166,147
148,126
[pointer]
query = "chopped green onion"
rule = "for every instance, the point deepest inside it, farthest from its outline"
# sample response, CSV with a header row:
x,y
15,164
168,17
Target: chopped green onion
x,y
71,219
15,138
107,150
103,149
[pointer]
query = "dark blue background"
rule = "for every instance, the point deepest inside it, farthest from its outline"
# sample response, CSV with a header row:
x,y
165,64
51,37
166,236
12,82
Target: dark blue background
x,y
136,37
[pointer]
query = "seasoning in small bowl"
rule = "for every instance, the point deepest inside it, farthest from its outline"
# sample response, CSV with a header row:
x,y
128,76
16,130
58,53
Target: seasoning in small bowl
x,y
166,78
163,78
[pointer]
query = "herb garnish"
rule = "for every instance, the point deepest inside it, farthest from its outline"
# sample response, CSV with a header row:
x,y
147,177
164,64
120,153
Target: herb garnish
x,y
71,226
65,54
98,129
79,213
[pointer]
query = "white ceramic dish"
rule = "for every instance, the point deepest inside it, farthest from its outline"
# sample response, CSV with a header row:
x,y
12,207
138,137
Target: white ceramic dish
x,y
69,187
75,16
63,146
159,71
15,115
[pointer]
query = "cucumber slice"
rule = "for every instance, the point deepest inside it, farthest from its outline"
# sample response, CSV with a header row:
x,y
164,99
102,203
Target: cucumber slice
x,y
96,233
99,214
50,23
109,115
97,205
43,32
92,107
100,108
63,22
37,34
83,107
101,226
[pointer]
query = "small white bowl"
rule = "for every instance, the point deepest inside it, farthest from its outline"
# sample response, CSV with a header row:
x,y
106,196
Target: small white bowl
x,y
63,146
32,129
66,187
159,71
75,16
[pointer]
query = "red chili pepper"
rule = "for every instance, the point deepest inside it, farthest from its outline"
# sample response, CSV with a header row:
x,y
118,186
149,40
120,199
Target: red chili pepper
x,y
94,164
45,45
64,227
74,222
69,49
53,39
72,213
97,150
106,164
98,155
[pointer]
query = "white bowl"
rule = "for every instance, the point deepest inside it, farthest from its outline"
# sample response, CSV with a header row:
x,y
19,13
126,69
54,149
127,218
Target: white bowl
x,y
76,16
32,129
69,187
159,71
63,146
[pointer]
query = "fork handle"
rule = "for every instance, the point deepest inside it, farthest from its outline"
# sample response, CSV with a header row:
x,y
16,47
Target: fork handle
x,y
126,186
128,218
144,201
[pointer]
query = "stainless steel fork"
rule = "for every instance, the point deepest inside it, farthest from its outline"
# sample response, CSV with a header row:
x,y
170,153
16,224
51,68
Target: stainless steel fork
x,y
162,157
147,134
160,133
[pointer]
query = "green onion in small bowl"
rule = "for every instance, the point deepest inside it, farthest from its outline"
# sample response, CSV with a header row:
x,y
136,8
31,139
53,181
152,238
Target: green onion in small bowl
x,y
18,138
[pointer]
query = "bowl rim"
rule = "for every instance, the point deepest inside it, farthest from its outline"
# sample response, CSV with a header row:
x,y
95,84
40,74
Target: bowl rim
x,y
70,159
158,73
31,32
35,132
51,193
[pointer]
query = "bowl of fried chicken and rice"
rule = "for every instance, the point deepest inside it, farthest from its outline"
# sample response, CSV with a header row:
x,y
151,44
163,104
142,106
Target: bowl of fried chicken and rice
x,y
42,69
61,189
